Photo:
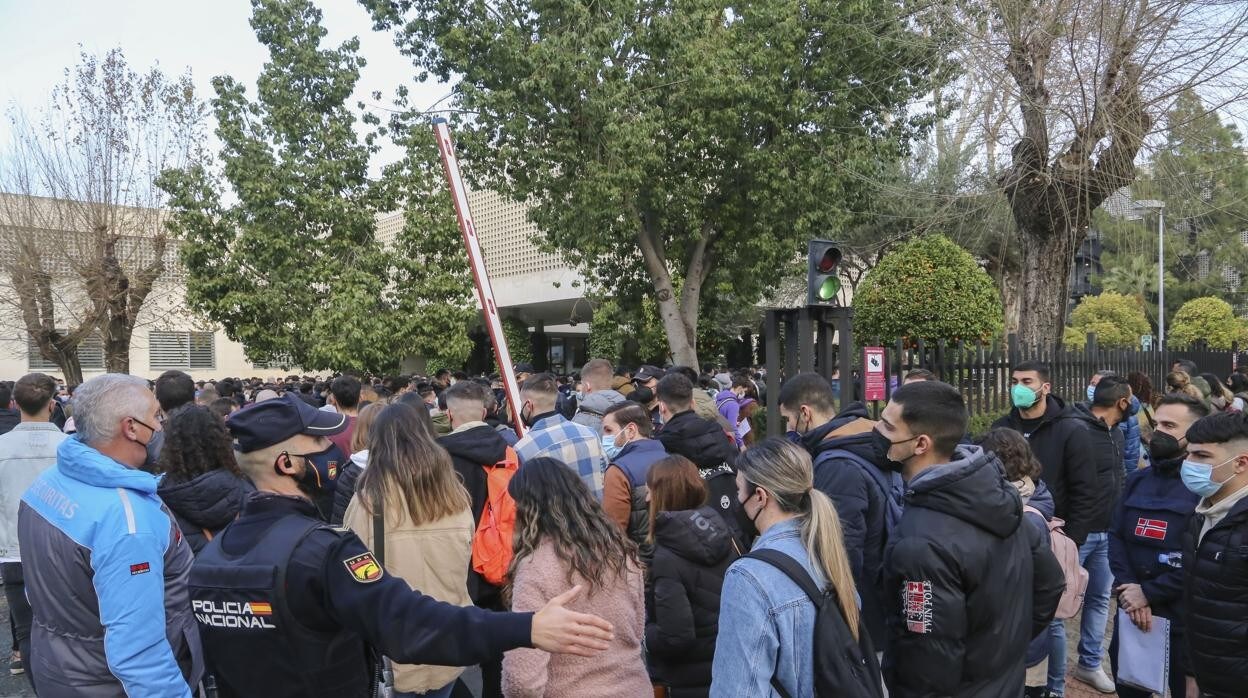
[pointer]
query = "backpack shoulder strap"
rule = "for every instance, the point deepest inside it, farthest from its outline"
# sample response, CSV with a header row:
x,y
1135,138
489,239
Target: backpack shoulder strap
x,y
792,569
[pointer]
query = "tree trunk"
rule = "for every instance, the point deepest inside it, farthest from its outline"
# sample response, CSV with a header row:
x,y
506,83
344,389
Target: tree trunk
x,y
71,367
117,346
1010,284
1047,260
681,338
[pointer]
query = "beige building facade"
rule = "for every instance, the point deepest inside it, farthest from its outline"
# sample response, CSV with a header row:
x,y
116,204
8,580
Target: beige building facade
x,y
532,286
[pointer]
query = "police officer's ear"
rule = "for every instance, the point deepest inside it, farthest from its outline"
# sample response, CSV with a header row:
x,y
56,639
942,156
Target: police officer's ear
x,y
285,465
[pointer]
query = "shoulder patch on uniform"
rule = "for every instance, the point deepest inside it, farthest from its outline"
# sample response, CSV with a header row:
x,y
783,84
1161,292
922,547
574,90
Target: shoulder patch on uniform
x,y
364,568
140,568
916,599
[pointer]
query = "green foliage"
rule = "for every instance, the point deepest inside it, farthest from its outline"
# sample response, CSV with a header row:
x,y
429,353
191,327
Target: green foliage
x,y
519,344
629,336
979,424
928,288
294,267
1117,320
1211,320
677,145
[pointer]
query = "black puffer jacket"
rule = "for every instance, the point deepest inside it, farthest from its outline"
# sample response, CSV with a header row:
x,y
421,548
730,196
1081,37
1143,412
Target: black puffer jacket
x,y
700,440
207,503
1064,448
344,490
1107,449
692,551
861,503
470,450
968,585
1215,597
715,453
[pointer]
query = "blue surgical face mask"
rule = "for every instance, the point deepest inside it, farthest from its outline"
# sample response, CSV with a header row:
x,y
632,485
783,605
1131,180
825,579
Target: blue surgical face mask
x,y
609,447
1198,477
1091,392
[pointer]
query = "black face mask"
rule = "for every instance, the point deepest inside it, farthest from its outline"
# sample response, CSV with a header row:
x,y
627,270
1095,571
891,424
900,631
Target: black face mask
x,y
1165,447
751,527
311,483
882,447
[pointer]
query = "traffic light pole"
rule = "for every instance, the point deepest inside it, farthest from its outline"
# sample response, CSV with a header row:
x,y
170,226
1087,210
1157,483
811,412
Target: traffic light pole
x,y
806,336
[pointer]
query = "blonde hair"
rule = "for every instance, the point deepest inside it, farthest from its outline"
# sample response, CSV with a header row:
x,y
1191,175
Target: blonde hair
x,y
785,471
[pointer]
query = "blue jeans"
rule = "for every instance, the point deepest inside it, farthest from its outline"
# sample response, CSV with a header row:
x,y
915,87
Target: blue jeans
x,y
1094,557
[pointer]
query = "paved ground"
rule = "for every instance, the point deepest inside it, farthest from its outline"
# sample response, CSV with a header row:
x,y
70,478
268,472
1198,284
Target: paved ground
x,y
1074,687
9,685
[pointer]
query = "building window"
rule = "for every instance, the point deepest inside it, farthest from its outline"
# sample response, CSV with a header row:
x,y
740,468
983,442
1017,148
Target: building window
x,y
1230,276
184,350
1203,259
1243,237
90,354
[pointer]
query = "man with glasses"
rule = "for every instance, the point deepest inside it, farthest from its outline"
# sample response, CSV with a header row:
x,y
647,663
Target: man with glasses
x,y
106,570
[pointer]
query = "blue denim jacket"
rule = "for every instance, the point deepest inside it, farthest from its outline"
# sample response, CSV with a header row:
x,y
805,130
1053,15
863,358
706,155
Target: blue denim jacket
x,y
766,624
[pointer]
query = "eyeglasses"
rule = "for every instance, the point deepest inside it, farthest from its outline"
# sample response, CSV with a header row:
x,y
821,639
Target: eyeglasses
x,y
149,426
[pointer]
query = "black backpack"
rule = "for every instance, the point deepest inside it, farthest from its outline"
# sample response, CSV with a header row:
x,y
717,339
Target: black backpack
x,y
721,494
843,668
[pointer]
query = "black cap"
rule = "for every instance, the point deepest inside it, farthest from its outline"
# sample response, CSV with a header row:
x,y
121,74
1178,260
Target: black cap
x,y
645,373
273,421
524,368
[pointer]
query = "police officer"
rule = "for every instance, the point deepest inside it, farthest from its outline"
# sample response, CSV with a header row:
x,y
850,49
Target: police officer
x,y
288,606
1146,536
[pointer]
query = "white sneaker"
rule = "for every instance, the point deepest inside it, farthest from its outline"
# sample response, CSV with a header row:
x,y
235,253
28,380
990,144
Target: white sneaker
x,y
1096,678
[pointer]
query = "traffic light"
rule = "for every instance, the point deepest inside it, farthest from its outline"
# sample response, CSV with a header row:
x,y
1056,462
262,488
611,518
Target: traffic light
x,y
823,283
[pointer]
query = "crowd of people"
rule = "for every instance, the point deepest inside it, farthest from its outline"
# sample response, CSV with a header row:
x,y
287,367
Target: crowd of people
x,y
640,535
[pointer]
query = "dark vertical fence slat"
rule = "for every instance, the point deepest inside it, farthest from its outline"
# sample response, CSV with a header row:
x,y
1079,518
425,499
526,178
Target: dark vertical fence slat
x,y
981,371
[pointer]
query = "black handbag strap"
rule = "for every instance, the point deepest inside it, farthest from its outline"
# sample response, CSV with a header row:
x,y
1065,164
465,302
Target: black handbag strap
x,y
379,532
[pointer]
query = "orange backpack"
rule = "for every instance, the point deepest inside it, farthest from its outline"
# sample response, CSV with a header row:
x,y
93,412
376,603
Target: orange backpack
x,y
491,544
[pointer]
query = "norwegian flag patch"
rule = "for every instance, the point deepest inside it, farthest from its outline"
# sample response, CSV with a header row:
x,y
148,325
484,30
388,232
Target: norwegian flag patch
x,y
1151,528
916,599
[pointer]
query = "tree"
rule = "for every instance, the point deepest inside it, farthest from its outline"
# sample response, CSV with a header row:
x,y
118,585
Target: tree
x,y
629,335
84,242
1210,320
669,148
1201,173
929,288
1118,321
295,267
1090,80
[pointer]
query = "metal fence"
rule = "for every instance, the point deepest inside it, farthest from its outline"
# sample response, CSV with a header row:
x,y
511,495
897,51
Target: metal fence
x,y
982,371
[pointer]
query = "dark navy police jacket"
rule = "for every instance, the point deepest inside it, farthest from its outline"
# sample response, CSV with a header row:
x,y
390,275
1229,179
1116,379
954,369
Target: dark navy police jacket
x,y
1146,535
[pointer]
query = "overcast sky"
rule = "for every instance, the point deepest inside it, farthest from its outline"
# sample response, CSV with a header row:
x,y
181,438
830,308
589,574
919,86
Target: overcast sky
x,y
39,39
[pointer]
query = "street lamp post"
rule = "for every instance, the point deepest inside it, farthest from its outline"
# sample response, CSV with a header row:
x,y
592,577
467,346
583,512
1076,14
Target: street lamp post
x,y
1160,206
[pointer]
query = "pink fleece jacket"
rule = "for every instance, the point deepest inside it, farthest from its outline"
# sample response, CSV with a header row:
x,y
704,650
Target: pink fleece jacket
x,y
618,672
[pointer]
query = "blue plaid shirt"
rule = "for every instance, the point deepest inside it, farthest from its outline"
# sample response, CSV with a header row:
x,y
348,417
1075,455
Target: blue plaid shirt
x,y
575,445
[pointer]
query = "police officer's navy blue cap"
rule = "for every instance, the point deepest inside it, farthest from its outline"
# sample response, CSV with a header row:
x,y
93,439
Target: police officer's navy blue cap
x,y
273,421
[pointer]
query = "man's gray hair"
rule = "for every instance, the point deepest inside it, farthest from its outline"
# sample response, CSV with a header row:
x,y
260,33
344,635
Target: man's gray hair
x,y
102,402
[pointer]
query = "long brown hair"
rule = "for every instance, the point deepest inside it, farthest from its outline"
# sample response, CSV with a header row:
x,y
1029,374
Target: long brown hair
x,y
553,502
364,426
786,472
675,485
408,468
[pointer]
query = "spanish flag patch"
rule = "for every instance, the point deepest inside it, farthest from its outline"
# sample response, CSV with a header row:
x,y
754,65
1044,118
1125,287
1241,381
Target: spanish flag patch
x,y
364,568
